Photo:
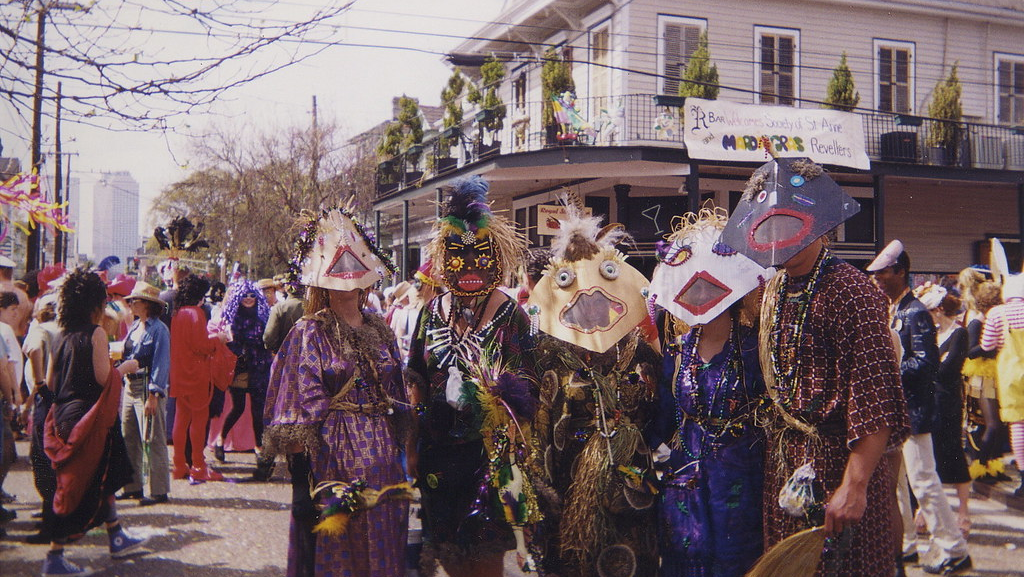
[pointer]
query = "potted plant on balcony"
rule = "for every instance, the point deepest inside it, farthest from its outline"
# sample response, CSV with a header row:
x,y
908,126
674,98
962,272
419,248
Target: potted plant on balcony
x,y
491,117
411,125
556,79
841,93
387,157
945,130
451,123
700,78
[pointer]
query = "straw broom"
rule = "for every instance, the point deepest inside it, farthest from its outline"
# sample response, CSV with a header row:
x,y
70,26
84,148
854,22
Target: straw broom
x,y
795,556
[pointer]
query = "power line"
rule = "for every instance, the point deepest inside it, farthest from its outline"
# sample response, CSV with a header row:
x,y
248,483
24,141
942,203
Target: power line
x,y
533,44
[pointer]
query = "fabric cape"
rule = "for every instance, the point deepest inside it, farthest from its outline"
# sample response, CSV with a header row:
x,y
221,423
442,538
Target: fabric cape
x,y
75,459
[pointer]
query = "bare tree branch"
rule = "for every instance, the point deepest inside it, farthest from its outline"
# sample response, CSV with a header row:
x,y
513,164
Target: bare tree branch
x,y
136,65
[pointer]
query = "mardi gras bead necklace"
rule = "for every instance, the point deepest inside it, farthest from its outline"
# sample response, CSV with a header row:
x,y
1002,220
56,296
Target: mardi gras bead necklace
x,y
708,412
787,367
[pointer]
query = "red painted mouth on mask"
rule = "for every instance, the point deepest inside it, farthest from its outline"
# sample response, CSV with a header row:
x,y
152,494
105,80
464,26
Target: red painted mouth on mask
x,y
591,311
470,282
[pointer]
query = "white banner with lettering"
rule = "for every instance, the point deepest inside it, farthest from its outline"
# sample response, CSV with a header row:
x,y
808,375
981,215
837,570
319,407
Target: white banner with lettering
x,y
722,130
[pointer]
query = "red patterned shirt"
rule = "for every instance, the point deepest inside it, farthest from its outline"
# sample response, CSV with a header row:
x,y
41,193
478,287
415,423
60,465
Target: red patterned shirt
x,y
847,386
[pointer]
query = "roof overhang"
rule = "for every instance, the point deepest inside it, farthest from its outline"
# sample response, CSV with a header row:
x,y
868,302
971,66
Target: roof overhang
x,y
541,170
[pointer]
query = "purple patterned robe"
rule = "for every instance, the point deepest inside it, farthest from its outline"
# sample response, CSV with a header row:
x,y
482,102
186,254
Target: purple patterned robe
x,y
309,369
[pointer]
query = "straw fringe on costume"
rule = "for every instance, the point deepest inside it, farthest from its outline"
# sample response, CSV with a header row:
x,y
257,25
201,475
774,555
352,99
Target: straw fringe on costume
x,y
795,556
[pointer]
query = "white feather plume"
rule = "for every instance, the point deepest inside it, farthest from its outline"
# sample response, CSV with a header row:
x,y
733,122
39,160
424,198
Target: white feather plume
x,y
587,228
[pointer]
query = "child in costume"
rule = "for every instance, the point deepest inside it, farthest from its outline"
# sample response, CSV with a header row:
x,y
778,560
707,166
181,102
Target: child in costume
x,y
336,405
597,396
710,511
471,370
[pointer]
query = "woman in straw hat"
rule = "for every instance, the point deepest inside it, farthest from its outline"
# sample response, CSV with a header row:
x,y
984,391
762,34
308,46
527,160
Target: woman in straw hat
x,y
144,408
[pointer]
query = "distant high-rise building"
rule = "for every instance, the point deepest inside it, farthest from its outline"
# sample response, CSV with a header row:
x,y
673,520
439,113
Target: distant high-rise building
x,y
115,224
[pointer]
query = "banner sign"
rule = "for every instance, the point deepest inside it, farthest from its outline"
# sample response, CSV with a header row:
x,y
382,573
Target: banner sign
x,y
549,215
722,130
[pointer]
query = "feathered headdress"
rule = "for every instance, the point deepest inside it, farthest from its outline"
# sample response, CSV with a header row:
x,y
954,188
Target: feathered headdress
x,y
466,212
21,192
180,236
108,263
580,236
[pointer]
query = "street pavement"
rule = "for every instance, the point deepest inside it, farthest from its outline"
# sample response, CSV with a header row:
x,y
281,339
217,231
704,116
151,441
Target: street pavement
x,y
240,529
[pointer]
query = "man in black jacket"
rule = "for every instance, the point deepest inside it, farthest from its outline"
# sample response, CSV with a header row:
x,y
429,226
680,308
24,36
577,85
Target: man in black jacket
x,y
916,329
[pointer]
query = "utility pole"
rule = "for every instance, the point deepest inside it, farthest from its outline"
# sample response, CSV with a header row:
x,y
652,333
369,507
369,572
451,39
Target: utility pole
x,y
58,254
35,235
32,248
314,166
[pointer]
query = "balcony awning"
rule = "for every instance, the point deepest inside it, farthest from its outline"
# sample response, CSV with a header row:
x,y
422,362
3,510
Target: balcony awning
x,y
526,172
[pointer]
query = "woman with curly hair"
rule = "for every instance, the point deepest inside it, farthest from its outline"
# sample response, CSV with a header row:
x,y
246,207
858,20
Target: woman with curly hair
x,y
246,311
192,349
82,435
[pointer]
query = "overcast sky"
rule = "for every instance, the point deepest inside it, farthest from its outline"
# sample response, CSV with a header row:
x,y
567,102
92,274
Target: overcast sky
x,y
353,85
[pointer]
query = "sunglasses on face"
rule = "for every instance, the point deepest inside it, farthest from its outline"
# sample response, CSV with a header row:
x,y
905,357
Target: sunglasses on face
x,y
249,296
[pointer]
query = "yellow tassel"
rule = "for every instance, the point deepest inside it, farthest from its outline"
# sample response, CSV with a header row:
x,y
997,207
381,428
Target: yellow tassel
x,y
977,470
996,467
334,526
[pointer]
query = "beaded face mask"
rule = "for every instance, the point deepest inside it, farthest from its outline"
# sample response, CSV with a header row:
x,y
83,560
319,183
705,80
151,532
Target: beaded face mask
x,y
788,203
699,277
471,264
591,302
340,256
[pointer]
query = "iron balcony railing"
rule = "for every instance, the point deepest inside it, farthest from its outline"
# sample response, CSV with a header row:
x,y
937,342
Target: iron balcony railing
x,y
647,119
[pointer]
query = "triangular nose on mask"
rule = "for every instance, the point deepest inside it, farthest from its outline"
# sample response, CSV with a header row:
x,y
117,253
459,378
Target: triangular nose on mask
x,y
347,265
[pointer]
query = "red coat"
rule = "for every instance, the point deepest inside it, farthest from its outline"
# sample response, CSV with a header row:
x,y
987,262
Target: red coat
x,y
192,348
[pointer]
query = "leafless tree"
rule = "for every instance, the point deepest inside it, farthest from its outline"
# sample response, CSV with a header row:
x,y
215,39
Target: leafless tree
x,y
137,64
250,188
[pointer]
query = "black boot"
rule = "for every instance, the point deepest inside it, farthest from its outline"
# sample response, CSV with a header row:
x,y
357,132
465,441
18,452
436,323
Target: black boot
x,y
264,468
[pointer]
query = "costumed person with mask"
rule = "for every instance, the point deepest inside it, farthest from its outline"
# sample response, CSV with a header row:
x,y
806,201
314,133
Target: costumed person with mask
x,y
336,406
710,392
830,369
471,369
245,315
1004,332
597,397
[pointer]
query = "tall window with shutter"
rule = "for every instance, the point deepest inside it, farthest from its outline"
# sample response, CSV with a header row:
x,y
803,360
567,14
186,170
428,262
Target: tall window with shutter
x,y
1010,88
894,74
778,66
677,41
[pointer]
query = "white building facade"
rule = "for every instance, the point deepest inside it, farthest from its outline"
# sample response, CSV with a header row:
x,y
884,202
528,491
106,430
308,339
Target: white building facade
x,y
631,163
